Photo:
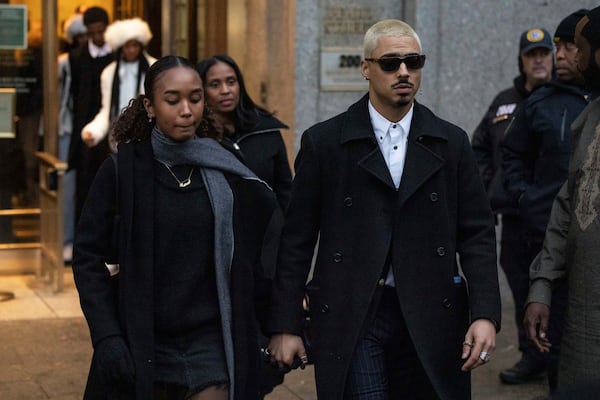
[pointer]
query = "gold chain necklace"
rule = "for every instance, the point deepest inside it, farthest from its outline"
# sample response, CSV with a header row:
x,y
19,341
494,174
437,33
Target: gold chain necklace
x,y
186,182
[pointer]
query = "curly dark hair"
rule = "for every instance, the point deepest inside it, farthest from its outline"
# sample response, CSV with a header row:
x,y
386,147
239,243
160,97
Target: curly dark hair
x,y
133,124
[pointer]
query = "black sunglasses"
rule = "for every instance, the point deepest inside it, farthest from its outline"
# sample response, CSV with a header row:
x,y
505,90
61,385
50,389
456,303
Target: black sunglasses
x,y
391,64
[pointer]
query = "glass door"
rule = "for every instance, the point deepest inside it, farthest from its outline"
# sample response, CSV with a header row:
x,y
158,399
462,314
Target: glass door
x,y
21,92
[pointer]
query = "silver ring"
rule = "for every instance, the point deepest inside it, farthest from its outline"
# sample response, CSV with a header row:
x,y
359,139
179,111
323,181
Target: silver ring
x,y
268,352
465,343
484,356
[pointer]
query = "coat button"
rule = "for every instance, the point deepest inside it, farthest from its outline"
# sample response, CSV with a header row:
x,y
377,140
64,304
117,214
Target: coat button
x,y
441,251
433,197
381,282
337,257
348,201
446,303
324,308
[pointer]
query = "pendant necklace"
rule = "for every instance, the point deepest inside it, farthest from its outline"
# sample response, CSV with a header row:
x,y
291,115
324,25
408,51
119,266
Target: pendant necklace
x,y
186,182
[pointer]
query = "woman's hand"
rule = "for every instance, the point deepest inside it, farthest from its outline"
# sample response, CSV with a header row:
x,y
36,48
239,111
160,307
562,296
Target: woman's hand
x,y
284,348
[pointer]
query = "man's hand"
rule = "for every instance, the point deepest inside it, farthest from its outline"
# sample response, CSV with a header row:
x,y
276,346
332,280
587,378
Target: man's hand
x,y
283,347
479,344
535,322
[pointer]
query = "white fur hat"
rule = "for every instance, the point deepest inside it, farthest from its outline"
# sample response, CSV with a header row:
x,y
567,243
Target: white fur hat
x,y
120,32
74,26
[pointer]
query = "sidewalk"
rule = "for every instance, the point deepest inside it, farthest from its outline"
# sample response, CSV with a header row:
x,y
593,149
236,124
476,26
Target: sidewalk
x,y
45,349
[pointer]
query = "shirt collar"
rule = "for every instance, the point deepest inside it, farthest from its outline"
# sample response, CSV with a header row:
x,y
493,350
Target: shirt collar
x,y
96,51
381,125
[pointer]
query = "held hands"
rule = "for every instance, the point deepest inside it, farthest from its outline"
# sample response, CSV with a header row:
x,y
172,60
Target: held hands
x,y
479,344
114,362
535,321
286,351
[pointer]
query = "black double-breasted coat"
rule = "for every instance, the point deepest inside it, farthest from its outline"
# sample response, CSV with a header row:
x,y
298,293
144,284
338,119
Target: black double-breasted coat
x,y
343,194
87,98
123,304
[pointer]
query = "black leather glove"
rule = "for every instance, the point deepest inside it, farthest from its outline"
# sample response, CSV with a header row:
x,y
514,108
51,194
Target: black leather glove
x,y
114,362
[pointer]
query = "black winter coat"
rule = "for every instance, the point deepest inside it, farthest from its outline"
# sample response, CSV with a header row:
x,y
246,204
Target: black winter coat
x,y
263,151
343,193
486,144
87,97
122,305
535,152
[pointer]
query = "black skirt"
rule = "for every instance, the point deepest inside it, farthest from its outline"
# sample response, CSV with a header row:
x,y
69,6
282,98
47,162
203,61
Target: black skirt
x,y
195,362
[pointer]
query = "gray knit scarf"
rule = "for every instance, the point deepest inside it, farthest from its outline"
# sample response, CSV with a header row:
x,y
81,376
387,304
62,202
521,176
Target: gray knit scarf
x,y
212,160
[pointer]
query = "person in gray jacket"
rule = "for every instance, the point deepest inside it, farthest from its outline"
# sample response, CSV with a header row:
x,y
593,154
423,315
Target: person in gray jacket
x,y
535,154
571,250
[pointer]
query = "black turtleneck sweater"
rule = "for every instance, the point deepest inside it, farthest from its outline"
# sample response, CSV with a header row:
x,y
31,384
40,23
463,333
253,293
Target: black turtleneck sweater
x,y
185,299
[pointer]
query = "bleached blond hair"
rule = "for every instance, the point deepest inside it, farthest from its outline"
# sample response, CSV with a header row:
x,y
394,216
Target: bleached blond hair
x,y
387,27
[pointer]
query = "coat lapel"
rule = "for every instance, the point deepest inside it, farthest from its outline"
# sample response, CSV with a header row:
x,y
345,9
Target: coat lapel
x,y
375,165
357,126
421,160
137,191
136,282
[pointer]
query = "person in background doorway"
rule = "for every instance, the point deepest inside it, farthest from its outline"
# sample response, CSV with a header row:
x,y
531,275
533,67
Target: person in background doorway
x,y
393,195
75,35
535,66
250,131
122,79
168,253
87,63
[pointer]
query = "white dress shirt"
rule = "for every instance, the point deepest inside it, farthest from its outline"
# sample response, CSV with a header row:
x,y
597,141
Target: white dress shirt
x,y
96,51
128,72
392,138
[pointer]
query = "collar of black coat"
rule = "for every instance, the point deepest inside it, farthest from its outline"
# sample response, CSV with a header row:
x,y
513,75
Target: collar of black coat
x,y
268,123
557,88
357,123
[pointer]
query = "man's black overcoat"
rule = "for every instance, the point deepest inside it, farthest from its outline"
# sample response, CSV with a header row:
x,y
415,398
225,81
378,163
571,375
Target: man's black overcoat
x,y
343,193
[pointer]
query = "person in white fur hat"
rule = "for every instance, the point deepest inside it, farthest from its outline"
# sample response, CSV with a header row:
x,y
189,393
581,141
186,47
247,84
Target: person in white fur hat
x,y
122,79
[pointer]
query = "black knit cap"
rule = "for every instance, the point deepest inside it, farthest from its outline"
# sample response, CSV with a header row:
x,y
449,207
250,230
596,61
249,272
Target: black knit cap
x,y
95,14
591,30
566,29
